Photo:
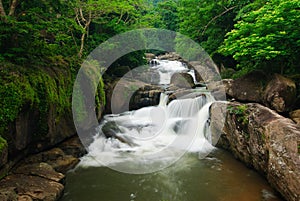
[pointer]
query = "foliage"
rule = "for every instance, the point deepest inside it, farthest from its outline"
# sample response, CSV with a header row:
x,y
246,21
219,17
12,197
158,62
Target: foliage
x,y
21,87
241,112
267,37
206,21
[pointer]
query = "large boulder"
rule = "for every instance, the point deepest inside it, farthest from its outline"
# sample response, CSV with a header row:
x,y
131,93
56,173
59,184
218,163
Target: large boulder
x,y
182,80
265,140
248,88
280,94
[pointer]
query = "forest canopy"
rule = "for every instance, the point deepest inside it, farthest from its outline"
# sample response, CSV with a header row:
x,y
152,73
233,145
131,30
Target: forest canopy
x,y
241,34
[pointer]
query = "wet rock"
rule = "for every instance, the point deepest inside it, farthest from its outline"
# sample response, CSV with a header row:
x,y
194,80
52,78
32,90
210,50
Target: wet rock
x,y
182,80
73,147
265,140
295,116
110,129
33,187
43,170
147,95
280,93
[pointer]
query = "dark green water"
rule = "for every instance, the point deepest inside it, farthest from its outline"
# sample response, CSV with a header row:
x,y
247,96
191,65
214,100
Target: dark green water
x,y
219,177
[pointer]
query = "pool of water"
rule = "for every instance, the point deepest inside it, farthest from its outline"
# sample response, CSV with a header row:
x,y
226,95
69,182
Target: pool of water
x,y
217,177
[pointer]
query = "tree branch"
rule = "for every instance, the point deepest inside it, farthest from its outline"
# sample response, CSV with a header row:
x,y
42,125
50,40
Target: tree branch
x,y
216,17
2,11
13,6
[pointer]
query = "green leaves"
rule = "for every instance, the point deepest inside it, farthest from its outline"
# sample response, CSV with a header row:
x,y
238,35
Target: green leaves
x,y
266,34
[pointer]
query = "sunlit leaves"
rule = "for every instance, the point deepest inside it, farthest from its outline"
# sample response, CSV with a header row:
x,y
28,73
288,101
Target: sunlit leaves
x,y
267,34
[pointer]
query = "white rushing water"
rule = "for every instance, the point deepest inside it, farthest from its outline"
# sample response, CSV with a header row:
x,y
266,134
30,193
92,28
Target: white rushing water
x,y
167,68
152,138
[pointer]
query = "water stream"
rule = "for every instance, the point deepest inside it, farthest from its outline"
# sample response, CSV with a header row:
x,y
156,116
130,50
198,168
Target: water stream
x,y
172,138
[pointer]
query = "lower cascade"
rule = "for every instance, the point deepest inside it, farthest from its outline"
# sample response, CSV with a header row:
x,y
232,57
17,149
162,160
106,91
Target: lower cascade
x,y
151,135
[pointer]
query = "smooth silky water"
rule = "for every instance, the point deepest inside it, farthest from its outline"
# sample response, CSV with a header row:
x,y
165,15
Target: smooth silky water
x,y
177,157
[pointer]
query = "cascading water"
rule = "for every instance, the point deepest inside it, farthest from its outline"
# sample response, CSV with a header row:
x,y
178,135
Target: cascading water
x,y
177,127
146,139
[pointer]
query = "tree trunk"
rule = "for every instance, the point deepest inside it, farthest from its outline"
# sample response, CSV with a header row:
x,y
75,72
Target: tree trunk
x,y
2,11
13,6
81,45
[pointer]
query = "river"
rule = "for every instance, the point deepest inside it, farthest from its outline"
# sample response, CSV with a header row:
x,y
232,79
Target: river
x,y
157,154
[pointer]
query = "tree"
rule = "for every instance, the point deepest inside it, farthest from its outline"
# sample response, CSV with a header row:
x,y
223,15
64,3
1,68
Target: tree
x,y
93,10
12,8
207,21
268,38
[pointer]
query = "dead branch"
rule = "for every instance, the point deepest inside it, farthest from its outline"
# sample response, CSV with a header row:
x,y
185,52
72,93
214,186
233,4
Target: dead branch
x,y
216,17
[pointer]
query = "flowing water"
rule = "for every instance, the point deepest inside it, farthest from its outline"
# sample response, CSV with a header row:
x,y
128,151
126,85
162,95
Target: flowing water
x,y
167,153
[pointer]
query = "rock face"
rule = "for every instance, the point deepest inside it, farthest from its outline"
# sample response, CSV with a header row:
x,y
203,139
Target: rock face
x,y
264,140
182,80
280,94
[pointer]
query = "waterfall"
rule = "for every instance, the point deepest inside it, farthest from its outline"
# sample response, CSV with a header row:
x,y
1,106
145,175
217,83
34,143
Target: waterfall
x,y
152,136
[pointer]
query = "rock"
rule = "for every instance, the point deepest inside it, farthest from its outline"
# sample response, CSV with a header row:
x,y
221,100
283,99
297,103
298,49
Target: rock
x,y
33,187
56,158
8,194
280,94
197,74
265,140
119,94
110,129
182,80
248,88
149,56
73,147
43,170
171,56
295,116
148,95
228,84
64,163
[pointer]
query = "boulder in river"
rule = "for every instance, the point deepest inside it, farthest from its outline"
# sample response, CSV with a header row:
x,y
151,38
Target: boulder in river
x,y
182,80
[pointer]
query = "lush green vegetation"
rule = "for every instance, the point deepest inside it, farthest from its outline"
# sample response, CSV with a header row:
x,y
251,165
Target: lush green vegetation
x,y
35,36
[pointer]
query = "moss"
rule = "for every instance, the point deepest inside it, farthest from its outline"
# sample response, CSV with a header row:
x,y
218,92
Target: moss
x,y
241,113
3,144
38,88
